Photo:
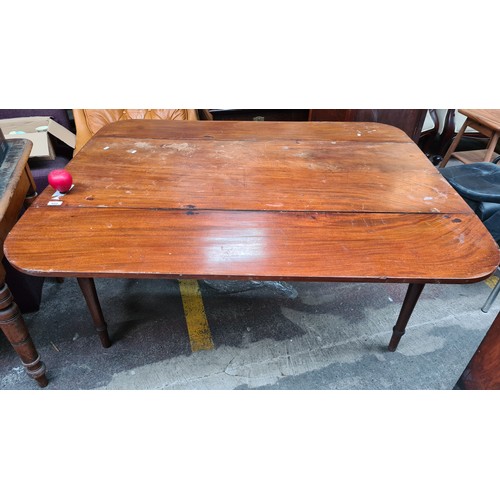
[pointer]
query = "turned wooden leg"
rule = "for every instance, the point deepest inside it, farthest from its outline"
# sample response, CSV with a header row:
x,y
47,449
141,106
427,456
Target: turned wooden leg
x,y
87,286
409,303
14,328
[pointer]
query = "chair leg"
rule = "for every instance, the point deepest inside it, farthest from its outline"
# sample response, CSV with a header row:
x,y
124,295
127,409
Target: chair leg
x,y
491,298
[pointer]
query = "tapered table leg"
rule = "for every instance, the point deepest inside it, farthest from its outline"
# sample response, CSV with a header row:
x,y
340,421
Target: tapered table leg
x,y
87,286
14,328
412,295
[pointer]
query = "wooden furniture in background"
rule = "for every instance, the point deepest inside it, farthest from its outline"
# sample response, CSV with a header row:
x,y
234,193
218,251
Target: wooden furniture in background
x,y
408,120
420,124
483,370
252,200
90,121
17,188
450,122
485,121
296,115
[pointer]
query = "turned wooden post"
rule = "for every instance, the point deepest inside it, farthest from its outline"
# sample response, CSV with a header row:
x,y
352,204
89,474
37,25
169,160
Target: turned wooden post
x,y
17,188
14,328
409,303
87,287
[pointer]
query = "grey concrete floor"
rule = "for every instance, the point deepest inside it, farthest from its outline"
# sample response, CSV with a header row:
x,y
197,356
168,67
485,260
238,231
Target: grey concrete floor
x,y
330,336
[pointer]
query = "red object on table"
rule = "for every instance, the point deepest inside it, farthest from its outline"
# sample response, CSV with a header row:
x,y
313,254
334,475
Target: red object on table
x,y
60,180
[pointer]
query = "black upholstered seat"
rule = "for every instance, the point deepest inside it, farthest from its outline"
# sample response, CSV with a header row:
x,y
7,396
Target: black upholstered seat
x,y
479,186
475,181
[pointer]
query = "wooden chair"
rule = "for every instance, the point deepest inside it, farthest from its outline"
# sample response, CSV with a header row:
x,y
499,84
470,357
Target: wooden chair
x,y
89,121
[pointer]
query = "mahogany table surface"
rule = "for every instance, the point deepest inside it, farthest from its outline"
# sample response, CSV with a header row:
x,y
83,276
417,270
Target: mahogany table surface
x,y
312,201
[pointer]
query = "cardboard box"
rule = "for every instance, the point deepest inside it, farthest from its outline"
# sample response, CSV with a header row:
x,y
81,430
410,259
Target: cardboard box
x,y
38,130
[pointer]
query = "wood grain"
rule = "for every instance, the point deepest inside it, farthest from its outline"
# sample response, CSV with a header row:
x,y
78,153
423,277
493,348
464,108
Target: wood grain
x,y
483,370
16,182
490,118
266,175
486,121
254,200
12,169
253,245
408,120
252,131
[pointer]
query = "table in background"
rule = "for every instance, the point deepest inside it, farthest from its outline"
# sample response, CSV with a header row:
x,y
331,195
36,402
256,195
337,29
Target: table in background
x,y
486,121
252,200
17,188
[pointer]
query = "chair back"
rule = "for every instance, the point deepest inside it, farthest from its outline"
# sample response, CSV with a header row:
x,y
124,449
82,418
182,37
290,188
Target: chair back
x,y
90,121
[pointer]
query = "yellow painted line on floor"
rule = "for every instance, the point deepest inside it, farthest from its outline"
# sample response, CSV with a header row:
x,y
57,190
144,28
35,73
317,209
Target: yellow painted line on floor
x,y
491,281
199,333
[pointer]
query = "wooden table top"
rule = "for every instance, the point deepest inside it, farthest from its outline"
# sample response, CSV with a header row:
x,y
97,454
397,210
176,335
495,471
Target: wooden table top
x,y
490,118
254,200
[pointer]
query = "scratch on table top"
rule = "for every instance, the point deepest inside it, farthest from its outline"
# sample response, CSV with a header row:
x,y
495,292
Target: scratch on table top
x,y
223,154
182,147
144,145
440,194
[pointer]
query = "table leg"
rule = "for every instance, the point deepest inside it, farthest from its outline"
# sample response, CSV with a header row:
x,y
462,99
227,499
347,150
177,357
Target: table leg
x,y
87,286
490,151
454,145
409,303
14,328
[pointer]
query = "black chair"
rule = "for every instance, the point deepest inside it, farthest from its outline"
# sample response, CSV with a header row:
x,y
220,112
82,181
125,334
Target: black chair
x,y
479,185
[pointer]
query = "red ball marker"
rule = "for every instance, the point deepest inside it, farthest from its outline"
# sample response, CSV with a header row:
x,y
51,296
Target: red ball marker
x,y
60,180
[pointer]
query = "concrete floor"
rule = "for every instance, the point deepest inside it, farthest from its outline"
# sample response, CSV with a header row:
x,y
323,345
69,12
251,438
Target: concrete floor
x,y
330,336
309,336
